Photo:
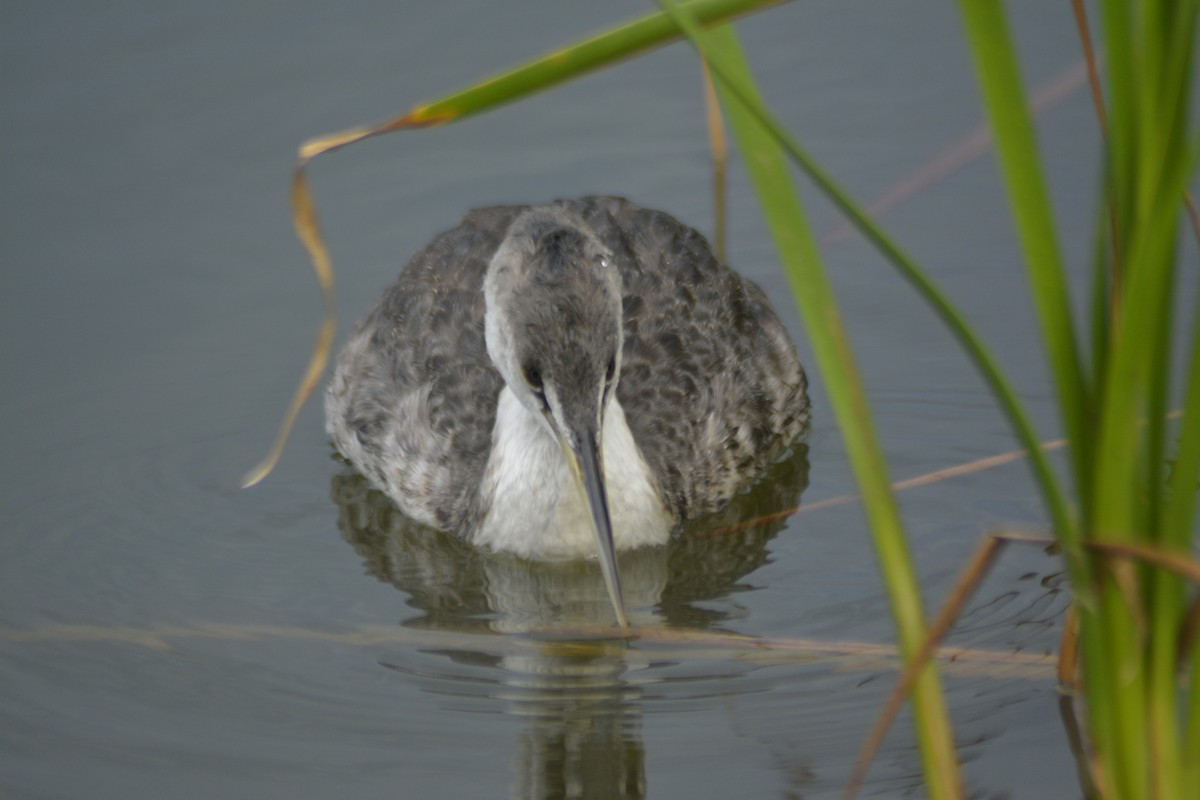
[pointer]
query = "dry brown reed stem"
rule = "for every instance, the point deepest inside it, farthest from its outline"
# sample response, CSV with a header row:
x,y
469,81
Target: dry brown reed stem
x,y
1068,650
584,640
1089,57
1080,752
1182,564
1189,632
968,581
979,465
1122,555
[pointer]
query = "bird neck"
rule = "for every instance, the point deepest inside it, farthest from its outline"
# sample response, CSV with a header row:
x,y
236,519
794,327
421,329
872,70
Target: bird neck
x,y
534,508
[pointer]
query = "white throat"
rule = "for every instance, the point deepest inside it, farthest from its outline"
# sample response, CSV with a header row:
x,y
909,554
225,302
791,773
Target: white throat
x,y
535,509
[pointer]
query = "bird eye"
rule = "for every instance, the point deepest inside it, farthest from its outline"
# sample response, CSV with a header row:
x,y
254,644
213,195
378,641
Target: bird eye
x,y
533,377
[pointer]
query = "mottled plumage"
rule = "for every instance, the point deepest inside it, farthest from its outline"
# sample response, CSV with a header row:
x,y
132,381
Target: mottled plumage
x,y
709,383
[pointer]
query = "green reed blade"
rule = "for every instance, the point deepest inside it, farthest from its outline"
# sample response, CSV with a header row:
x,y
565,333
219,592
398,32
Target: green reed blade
x,y
570,62
1007,110
798,252
538,75
978,353
1129,632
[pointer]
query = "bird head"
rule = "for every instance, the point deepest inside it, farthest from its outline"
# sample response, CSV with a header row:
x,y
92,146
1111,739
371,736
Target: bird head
x,y
554,331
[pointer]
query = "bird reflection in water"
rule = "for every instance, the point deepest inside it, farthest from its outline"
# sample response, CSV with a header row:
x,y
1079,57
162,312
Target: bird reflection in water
x,y
581,697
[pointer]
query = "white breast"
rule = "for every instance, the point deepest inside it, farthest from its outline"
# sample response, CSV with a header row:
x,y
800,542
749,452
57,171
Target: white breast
x,y
537,511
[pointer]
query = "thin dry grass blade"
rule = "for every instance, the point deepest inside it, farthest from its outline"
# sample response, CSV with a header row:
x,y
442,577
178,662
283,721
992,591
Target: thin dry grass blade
x,y
305,219
1089,54
1193,215
966,149
675,644
1089,57
720,156
978,465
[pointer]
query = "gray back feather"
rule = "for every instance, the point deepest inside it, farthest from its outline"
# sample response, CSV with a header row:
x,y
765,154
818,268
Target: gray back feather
x,y
710,383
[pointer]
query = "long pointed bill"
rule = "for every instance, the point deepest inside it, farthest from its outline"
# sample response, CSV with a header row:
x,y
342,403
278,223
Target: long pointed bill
x,y
585,466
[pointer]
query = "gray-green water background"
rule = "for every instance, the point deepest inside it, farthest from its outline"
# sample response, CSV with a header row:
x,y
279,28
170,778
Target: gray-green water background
x,y
157,310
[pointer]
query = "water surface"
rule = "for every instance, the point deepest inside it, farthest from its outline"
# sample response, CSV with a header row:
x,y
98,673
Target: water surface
x,y
163,633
